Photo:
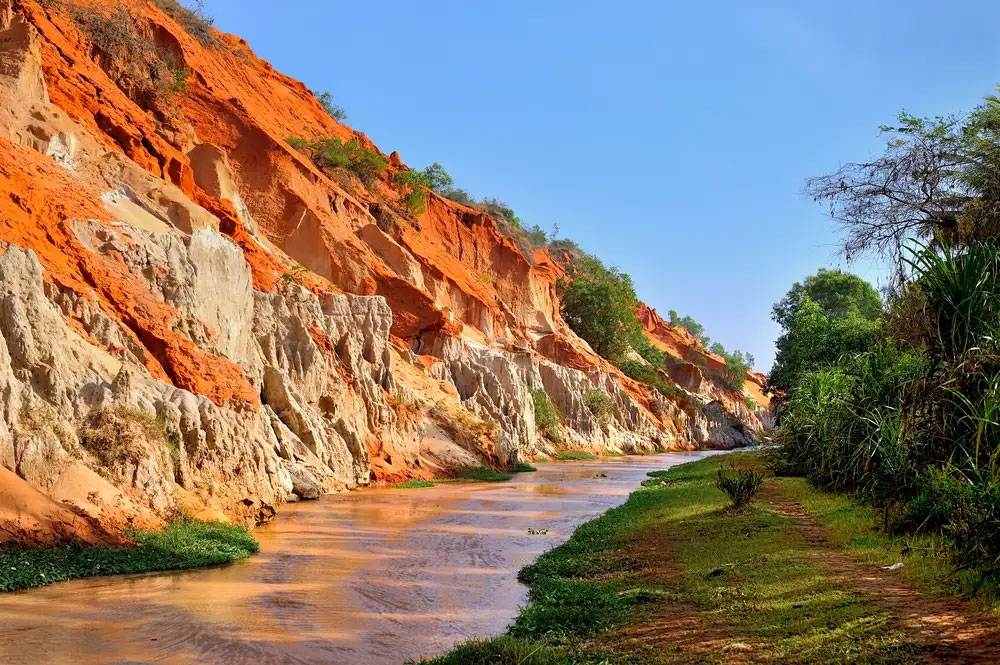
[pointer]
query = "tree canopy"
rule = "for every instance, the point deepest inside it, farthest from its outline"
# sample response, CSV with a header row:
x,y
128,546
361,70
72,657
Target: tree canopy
x,y
938,177
837,293
828,315
599,304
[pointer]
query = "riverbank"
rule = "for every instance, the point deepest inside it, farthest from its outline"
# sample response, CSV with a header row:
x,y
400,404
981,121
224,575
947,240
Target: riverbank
x,y
183,544
670,577
373,576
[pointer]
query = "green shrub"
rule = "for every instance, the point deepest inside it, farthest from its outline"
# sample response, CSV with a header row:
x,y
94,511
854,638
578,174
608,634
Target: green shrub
x,y
336,112
599,304
332,153
649,376
437,179
598,403
548,418
194,21
689,324
413,186
459,196
523,467
741,484
967,510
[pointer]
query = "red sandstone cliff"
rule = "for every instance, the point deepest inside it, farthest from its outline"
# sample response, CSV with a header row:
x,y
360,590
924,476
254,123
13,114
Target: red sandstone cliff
x,y
167,254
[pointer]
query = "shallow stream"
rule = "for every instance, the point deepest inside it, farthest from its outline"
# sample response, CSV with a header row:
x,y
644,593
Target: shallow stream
x,y
363,578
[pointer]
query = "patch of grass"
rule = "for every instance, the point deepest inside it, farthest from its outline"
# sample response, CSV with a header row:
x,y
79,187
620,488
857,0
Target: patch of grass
x,y
503,650
185,543
483,473
412,484
674,551
523,467
576,455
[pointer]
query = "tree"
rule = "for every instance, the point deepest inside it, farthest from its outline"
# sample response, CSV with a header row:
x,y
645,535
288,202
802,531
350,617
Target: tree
x,y
690,325
812,340
837,293
326,101
599,304
938,177
438,179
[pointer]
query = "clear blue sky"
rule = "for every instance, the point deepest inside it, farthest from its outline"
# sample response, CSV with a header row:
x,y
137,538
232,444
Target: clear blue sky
x,y
669,138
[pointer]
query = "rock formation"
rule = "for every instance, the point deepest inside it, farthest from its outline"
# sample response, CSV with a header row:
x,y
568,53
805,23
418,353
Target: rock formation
x,y
194,315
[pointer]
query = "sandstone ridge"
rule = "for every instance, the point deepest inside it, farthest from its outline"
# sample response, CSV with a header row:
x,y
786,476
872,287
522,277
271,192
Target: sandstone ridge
x,y
193,315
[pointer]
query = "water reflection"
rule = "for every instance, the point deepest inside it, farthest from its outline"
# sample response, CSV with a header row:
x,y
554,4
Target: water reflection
x,y
368,577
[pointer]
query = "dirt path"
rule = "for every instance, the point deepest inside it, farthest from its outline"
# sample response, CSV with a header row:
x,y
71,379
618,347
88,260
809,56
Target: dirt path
x,y
950,630
955,632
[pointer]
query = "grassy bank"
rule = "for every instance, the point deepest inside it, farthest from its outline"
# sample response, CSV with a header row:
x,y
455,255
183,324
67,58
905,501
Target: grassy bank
x,y
183,544
479,473
673,577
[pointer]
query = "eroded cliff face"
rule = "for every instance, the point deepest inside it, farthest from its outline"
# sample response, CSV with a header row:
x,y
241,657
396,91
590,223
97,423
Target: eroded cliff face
x,y
192,315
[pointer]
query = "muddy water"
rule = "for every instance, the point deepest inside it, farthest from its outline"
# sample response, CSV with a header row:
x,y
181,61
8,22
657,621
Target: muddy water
x,y
368,577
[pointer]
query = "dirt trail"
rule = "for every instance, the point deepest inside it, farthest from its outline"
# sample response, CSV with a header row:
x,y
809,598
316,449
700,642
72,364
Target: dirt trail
x,y
951,631
955,631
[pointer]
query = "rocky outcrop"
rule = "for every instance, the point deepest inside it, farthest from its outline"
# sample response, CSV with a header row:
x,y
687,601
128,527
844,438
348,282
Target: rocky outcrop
x,y
193,315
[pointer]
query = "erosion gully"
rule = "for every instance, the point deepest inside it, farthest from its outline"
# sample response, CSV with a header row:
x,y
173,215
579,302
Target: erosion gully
x,y
374,576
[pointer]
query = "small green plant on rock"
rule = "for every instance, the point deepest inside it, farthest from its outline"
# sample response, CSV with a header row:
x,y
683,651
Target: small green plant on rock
x,y
548,419
741,484
598,403
333,154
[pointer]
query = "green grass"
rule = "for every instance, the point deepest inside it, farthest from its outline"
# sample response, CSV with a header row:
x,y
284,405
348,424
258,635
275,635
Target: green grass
x,y
523,467
576,455
653,555
183,544
483,473
412,484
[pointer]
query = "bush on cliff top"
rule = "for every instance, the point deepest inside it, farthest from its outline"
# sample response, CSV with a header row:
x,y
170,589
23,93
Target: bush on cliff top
x,y
194,20
599,304
148,75
185,543
336,112
332,154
